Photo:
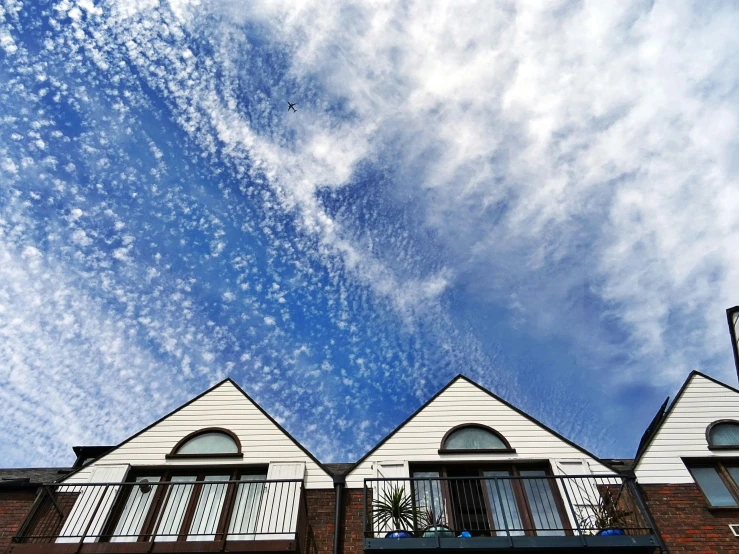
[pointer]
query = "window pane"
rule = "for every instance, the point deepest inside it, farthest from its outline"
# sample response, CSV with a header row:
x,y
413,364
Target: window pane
x,y
173,510
712,486
246,507
134,512
428,495
208,509
734,472
472,438
209,443
503,503
725,434
544,510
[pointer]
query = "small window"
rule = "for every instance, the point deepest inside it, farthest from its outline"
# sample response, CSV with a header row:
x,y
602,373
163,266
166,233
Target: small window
x,y
473,437
723,434
213,442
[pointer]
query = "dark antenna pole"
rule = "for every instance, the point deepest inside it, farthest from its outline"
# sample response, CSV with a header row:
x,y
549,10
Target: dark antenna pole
x,y
732,315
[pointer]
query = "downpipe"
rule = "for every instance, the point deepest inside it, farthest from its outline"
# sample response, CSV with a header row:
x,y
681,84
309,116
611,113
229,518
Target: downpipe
x,y
339,482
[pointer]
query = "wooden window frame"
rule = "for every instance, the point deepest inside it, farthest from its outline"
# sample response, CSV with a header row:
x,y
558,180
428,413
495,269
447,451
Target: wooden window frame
x,y
444,450
175,456
720,466
147,529
522,501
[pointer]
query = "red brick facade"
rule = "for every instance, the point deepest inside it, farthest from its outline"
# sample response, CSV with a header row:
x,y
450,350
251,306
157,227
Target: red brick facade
x,y
321,513
352,532
14,506
686,524
321,504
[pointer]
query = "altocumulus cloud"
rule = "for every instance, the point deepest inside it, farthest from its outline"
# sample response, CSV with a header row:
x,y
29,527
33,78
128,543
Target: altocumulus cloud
x,y
462,182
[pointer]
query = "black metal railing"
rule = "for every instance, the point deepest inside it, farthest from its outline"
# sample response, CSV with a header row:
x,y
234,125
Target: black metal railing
x,y
183,509
498,504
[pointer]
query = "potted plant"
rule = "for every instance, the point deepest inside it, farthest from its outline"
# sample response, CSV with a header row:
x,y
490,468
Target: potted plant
x,y
436,525
397,510
606,516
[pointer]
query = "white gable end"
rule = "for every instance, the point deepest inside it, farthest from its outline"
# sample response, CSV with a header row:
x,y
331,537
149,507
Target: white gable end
x,y
683,432
463,402
225,406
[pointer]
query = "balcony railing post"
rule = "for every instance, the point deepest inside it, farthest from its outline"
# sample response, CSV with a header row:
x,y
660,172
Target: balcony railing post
x,y
633,489
572,510
502,513
364,509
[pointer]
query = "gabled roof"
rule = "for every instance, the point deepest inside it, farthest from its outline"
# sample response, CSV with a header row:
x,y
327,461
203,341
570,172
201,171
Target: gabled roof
x,y
494,396
238,388
662,415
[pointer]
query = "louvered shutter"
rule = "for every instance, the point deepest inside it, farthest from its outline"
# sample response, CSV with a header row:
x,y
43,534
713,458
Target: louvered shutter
x,y
93,505
278,510
581,491
381,488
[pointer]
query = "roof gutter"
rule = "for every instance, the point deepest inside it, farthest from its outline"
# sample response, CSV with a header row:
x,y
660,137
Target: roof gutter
x,y
339,482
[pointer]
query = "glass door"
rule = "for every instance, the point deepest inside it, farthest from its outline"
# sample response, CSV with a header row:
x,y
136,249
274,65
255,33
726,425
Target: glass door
x,y
503,504
543,503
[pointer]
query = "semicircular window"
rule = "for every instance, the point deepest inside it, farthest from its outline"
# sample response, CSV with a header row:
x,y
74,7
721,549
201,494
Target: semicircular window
x,y
474,437
724,434
210,442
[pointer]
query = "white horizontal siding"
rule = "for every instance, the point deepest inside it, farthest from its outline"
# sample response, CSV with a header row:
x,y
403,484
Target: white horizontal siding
x,y
420,438
683,433
262,441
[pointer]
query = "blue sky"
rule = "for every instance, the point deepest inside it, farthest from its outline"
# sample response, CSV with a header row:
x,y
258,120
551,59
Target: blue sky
x,y
542,197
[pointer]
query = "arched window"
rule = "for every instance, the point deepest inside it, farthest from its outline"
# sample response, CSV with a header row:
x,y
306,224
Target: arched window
x,y
473,437
723,434
212,442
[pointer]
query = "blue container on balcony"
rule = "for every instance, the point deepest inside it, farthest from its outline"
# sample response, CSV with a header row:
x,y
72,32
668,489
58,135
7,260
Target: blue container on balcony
x,y
611,532
438,531
399,534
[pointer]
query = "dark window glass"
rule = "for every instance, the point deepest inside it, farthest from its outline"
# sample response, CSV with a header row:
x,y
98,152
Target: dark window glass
x,y
724,434
713,487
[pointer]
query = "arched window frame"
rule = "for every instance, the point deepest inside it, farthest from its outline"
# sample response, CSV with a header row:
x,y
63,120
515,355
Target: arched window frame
x,y
506,450
712,446
238,454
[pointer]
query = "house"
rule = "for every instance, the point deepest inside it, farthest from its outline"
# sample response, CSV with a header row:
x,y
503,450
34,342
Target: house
x,y
220,475
485,475
216,474
687,467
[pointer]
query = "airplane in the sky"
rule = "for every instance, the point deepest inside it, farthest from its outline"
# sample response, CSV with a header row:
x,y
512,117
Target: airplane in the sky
x,y
291,107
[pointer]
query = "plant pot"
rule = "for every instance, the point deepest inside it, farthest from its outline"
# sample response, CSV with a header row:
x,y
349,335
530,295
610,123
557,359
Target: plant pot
x,y
610,532
399,534
438,531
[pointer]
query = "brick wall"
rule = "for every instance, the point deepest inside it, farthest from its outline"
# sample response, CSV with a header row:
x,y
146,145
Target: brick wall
x,y
321,506
352,533
14,506
686,524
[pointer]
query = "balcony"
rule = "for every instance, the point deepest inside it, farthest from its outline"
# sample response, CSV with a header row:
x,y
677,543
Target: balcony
x,y
526,511
181,515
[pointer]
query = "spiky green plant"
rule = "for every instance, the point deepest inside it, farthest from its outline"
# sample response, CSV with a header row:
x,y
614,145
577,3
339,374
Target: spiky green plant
x,y
396,507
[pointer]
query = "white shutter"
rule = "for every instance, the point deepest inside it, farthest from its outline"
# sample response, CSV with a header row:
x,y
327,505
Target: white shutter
x,y
581,492
389,470
93,504
278,510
